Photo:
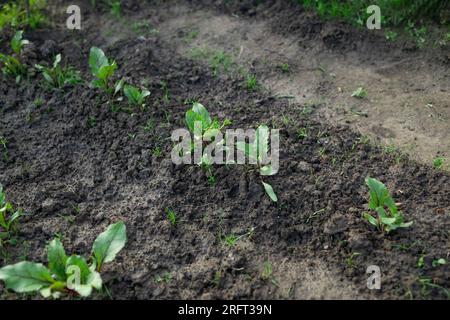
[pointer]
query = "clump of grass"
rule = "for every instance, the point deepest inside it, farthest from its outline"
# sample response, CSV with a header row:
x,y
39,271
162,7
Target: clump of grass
x,y
252,83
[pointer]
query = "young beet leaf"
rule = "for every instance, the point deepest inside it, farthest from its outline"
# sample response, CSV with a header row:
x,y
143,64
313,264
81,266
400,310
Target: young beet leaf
x,y
109,243
26,277
101,68
17,42
258,150
135,96
11,64
8,218
66,274
57,76
380,200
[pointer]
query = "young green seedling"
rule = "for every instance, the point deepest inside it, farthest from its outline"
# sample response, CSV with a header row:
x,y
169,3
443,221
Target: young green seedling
x,y
58,76
9,218
171,216
135,96
258,150
66,274
103,70
380,200
360,93
11,63
206,127
17,42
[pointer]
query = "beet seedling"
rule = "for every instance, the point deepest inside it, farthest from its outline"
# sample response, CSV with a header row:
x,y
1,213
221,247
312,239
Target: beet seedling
x,y
9,218
379,200
103,70
258,150
11,64
58,76
135,96
66,274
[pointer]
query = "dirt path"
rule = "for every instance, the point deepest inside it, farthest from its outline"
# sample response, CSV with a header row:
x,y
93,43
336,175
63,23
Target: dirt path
x,y
408,102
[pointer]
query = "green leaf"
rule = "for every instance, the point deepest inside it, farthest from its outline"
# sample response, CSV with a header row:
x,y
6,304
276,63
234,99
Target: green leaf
x,y
371,219
191,118
266,170
57,60
261,142
109,243
119,85
83,268
57,258
378,193
132,93
201,110
97,59
270,192
106,71
26,276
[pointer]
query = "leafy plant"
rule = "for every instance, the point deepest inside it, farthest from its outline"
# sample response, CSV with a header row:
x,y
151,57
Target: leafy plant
x,y
438,162
103,70
17,42
257,150
115,8
58,76
11,63
380,200
360,93
66,274
134,95
9,218
171,216
252,83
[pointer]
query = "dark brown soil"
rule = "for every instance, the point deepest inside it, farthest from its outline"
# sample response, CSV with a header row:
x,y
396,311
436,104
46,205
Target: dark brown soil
x,y
74,178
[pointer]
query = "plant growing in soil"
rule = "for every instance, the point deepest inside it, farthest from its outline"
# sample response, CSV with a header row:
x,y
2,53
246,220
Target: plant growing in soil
x,y
57,76
360,93
103,70
252,83
66,274
438,162
9,218
380,200
4,145
11,64
257,150
171,216
135,95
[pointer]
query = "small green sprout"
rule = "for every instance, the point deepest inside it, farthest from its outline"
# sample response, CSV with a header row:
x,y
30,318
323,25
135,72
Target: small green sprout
x,y
9,218
391,35
379,200
252,83
11,64
17,42
257,150
360,93
115,8
66,274
57,76
230,240
171,216
439,262
302,133
438,162
135,96
285,67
